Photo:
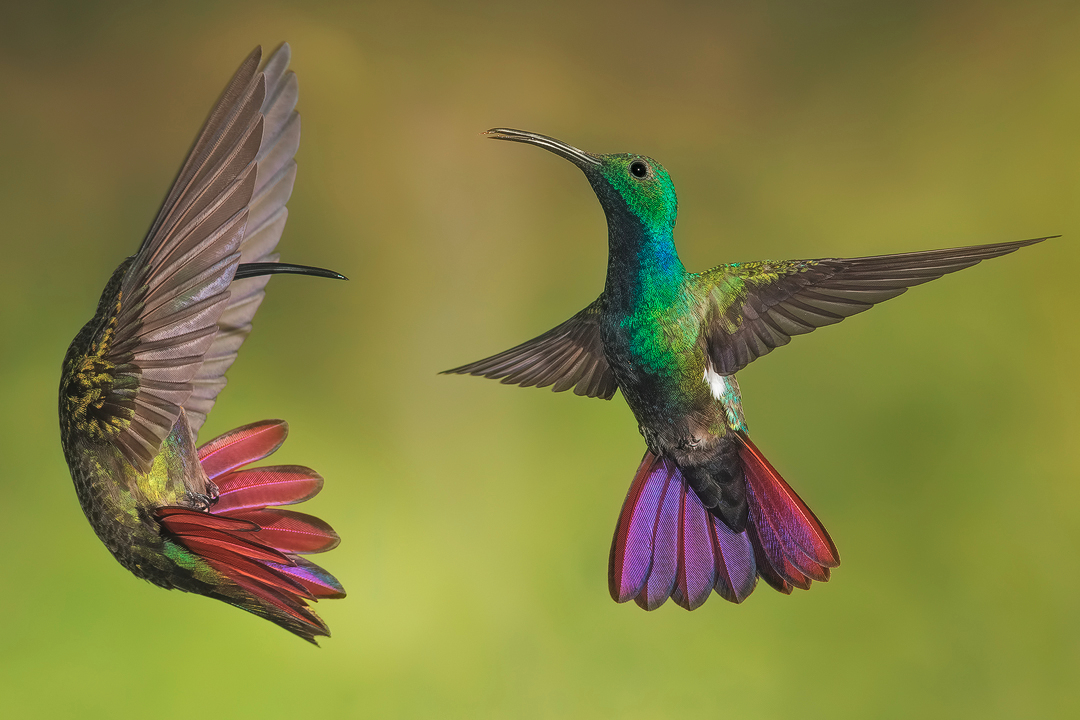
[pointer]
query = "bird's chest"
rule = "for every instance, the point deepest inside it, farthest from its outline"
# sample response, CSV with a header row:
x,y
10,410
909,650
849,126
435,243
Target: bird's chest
x,y
659,363
119,501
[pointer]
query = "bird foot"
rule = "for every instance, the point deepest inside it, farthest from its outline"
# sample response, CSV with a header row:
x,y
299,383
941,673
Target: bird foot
x,y
205,502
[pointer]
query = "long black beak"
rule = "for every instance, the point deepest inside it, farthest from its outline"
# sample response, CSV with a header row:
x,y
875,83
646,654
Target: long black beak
x,y
579,157
250,270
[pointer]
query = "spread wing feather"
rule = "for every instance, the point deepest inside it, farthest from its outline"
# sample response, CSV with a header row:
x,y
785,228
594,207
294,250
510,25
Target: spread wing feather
x,y
276,172
753,308
570,355
177,323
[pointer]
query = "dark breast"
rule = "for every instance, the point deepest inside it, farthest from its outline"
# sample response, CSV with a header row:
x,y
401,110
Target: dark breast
x,y
672,403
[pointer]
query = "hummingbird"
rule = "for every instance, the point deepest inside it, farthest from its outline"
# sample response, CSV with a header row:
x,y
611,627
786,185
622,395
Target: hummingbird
x,y
140,378
706,510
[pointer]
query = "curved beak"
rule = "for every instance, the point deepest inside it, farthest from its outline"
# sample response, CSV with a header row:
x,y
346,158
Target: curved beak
x,y
255,269
579,157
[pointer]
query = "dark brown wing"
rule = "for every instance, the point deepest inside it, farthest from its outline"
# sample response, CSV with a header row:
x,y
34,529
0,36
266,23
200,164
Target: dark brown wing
x,y
177,285
752,308
266,221
568,356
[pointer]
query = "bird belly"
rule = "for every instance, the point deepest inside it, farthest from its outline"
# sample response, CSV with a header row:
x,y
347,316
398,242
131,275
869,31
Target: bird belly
x,y
675,406
119,501
690,414
701,440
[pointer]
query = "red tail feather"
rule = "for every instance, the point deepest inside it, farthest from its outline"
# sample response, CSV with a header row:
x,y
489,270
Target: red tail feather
x,y
631,548
255,548
242,446
764,564
665,551
176,518
736,571
318,582
289,531
296,616
262,486
787,537
236,565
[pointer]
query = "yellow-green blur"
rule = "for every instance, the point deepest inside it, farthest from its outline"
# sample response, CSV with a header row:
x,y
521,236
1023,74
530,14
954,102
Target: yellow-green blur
x,y
937,434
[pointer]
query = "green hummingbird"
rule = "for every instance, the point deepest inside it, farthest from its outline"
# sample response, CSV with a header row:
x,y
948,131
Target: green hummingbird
x,y
705,510
141,376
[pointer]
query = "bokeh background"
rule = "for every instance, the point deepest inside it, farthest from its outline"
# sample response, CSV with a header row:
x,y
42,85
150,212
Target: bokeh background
x,y
935,436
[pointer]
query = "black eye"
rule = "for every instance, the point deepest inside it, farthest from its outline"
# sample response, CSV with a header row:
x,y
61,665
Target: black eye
x,y
639,169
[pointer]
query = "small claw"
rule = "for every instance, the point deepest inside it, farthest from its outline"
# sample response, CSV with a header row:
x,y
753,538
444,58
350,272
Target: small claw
x,y
204,502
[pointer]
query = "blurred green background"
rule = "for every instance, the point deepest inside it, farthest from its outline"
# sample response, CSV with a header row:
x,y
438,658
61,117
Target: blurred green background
x,y
935,436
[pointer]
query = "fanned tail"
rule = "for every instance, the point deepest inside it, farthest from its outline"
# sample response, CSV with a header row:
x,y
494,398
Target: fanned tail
x,y
254,545
791,546
667,544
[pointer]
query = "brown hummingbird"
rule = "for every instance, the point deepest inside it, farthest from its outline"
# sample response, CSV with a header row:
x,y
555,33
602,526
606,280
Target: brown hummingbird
x,y
141,376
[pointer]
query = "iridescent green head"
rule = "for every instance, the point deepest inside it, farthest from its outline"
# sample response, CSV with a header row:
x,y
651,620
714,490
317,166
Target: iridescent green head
x,y
627,184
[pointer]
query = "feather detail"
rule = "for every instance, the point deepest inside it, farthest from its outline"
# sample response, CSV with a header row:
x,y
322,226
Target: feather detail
x,y
664,565
697,564
241,446
571,355
788,538
262,486
179,518
667,544
631,548
736,570
253,547
753,308
288,531
272,187
321,584
764,565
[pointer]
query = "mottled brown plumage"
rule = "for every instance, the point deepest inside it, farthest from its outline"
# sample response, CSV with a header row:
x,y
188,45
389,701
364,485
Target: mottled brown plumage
x,y
140,377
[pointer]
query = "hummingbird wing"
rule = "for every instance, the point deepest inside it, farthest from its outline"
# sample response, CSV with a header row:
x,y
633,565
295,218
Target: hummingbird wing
x,y
569,355
752,308
266,220
176,286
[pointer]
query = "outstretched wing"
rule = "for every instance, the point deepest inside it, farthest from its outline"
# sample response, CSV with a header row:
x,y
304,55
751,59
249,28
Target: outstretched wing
x,y
752,308
266,221
176,287
570,355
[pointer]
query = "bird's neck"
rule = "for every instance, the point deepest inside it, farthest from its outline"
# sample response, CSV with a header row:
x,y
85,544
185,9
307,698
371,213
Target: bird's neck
x,y
644,270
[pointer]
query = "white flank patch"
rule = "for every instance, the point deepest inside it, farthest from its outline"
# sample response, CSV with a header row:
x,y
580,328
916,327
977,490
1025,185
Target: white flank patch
x,y
717,383
726,389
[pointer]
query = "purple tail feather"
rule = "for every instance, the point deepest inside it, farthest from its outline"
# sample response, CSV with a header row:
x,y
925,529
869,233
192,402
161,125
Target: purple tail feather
x,y
667,544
